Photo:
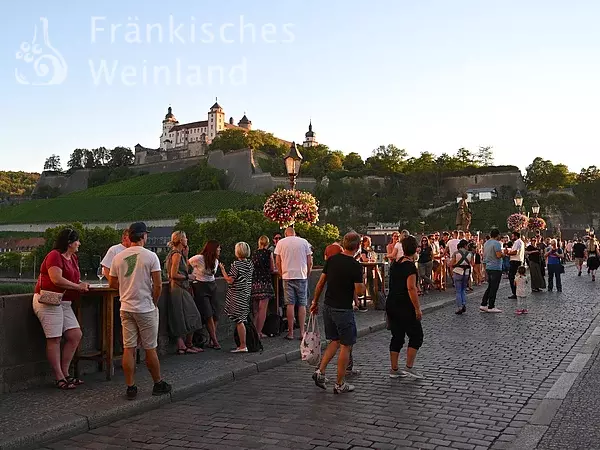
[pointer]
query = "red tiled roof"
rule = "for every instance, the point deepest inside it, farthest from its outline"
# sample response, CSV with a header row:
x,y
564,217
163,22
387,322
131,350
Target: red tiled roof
x,y
186,126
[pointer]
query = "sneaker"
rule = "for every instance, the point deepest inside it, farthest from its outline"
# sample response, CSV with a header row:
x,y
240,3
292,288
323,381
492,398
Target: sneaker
x,y
518,312
512,297
319,379
464,309
343,388
579,274
397,373
483,309
495,310
131,392
363,309
412,372
458,311
353,372
524,311
161,388
239,350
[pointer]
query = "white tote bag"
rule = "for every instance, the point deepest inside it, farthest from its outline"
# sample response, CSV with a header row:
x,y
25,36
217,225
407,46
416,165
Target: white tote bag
x,y
310,348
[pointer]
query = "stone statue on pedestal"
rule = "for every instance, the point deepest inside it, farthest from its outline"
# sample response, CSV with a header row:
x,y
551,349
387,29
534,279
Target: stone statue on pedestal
x,y
463,215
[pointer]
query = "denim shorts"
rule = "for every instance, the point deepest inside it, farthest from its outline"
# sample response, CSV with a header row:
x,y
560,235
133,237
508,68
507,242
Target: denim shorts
x,y
295,292
339,325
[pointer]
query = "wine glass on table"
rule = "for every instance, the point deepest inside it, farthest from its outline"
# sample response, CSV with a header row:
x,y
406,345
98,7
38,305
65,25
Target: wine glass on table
x,y
100,274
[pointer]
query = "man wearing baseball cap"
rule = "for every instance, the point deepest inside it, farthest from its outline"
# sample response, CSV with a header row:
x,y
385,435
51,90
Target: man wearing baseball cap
x,y
135,272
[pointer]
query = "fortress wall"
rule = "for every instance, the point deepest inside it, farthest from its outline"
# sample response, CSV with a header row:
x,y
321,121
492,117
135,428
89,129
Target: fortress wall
x,y
495,180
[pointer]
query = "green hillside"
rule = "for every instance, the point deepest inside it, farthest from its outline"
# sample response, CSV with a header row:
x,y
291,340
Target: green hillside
x,y
127,207
140,185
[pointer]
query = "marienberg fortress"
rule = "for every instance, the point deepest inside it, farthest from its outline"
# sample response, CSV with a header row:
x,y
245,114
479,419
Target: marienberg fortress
x,y
183,145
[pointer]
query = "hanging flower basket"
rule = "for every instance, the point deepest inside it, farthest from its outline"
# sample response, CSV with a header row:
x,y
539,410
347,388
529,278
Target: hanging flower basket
x,y
517,222
536,223
287,207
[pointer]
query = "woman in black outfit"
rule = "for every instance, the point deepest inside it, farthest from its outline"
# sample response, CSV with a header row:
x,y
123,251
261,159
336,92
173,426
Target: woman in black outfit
x,y
404,311
425,264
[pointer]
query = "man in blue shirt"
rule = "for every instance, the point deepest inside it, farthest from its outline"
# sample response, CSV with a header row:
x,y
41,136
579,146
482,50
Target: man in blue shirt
x,y
492,258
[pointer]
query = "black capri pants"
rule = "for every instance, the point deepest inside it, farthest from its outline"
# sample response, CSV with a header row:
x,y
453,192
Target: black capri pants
x,y
404,324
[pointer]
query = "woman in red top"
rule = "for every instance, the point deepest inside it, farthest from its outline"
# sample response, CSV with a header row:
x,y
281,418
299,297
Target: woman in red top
x,y
60,273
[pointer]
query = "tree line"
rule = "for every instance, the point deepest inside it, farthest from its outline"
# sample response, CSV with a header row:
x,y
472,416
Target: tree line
x,y
17,183
83,158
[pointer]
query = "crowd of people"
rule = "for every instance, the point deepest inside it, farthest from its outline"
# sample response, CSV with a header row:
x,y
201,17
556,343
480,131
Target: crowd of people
x,y
416,267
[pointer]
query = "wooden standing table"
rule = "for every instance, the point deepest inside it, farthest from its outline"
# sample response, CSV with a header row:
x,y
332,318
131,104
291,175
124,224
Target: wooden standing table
x,y
373,267
107,326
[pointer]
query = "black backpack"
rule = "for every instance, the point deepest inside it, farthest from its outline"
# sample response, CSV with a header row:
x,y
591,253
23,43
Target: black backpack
x,y
272,326
253,342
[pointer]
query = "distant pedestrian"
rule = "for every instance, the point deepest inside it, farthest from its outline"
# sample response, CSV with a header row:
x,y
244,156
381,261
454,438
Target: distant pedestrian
x,y
135,273
262,283
538,282
333,249
492,258
516,254
579,254
461,271
237,300
593,261
554,256
294,264
403,311
523,290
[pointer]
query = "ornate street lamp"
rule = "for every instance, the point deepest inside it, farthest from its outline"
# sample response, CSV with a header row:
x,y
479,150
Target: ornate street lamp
x,y
518,200
535,208
292,164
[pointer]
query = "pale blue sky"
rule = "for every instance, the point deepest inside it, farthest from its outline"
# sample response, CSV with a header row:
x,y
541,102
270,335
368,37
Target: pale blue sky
x,y
435,75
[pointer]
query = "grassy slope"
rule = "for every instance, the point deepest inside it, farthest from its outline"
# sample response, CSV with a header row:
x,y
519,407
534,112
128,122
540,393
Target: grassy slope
x,y
141,198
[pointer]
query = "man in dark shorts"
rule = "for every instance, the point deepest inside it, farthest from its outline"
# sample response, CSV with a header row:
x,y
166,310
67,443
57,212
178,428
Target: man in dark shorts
x,y
344,278
579,250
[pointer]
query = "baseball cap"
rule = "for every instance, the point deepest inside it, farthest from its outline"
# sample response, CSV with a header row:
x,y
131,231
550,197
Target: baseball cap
x,y
138,228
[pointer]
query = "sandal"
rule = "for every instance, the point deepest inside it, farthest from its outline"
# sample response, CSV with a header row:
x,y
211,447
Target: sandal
x,y
181,351
74,380
194,350
213,346
64,385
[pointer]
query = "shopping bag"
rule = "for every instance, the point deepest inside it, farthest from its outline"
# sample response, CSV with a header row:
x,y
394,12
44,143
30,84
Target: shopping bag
x,y
310,348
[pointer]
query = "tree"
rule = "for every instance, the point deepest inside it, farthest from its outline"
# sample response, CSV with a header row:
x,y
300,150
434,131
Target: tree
x,y
201,177
76,158
120,157
387,159
53,163
465,157
541,174
588,175
353,162
485,156
89,161
228,140
101,156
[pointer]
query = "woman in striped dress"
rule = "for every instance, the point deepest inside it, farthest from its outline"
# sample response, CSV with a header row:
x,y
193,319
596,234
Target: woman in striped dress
x,y
237,300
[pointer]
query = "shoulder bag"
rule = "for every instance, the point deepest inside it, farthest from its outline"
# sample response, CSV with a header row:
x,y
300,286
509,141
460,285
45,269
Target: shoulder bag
x,y
49,297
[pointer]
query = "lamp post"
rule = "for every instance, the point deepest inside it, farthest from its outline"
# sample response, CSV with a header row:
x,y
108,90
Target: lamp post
x,y
292,164
535,208
518,201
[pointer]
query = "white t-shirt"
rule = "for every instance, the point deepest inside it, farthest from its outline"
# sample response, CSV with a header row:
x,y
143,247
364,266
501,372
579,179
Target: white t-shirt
x,y
110,255
200,272
452,246
293,251
399,250
520,249
134,267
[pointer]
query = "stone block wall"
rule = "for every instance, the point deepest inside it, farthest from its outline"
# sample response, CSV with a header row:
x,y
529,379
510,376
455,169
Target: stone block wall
x,y
23,361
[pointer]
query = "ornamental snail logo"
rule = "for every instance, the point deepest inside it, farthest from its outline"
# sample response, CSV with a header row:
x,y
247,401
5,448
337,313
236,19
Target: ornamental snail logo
x,y
49,66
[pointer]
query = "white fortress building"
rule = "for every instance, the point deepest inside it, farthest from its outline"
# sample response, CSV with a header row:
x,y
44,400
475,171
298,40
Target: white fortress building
x,y
178,141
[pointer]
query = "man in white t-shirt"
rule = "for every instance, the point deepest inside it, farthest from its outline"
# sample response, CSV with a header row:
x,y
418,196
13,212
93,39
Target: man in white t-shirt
x,y
451,249
517,256
294,264
113,251
136,273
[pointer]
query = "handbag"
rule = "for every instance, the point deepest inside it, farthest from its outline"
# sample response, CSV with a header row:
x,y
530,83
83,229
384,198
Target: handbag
x,y
50,298
310,348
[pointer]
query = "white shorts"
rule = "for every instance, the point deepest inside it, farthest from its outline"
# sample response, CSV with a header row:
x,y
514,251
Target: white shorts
x,y
55,320
140,325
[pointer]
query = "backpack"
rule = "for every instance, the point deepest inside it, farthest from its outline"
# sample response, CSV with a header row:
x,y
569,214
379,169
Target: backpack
x,y
253,342
272,326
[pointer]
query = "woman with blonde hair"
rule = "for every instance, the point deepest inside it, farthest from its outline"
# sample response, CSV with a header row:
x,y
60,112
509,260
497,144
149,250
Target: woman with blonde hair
x,y
184,317
237,300
262,283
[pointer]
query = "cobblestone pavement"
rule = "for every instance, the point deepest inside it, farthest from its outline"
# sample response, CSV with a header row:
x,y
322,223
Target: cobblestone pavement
x,y
484,376
575,425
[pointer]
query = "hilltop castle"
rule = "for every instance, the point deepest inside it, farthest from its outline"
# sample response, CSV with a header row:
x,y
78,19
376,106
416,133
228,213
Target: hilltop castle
x,y
187,140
